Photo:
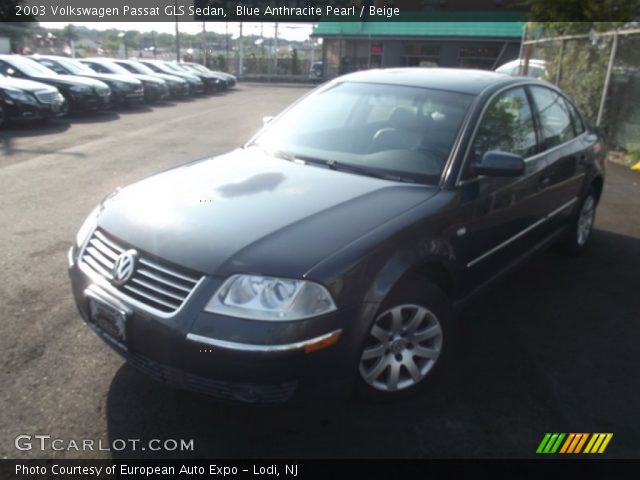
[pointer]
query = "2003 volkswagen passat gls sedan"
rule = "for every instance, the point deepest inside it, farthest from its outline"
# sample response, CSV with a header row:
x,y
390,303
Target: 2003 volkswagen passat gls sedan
x,y
332,249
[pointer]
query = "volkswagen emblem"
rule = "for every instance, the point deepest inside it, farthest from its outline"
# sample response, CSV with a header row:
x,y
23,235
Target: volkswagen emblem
x,y
124,267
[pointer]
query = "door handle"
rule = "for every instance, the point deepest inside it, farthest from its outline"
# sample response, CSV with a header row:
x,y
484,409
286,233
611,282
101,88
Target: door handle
x,y
544,182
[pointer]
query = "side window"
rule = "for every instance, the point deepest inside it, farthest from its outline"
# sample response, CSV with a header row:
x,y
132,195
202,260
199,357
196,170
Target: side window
x,y
555,119
578,123
9,71
507,125
96,67
53,66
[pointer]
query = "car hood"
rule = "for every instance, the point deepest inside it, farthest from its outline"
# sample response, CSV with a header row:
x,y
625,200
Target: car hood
x,y
170,78
249,212
71,80
147,78
106,77
186,76
28,85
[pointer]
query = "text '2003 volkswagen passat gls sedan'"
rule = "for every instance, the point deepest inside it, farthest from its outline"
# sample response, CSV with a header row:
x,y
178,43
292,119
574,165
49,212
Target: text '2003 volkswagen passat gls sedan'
x,y
331,250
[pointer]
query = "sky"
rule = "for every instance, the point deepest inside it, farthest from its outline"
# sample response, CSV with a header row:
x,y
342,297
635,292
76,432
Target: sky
x,y
289,31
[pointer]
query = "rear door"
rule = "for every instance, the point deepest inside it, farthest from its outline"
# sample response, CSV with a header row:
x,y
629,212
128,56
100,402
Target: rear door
x,y
564,144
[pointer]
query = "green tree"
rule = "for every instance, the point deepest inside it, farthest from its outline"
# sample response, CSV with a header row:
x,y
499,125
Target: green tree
x,y
295,62
221,63
567,16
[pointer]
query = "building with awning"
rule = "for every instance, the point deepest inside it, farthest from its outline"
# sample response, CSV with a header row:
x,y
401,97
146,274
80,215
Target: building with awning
x,y
468,42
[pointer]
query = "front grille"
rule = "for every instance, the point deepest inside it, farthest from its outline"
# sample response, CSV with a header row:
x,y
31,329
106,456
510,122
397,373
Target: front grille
x,y
153,284
47,97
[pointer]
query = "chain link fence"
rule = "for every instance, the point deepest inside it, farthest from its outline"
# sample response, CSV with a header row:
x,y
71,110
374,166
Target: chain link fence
x,y
601,72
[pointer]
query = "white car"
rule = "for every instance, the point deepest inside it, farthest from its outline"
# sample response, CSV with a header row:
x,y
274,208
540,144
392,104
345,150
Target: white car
x,y
537,68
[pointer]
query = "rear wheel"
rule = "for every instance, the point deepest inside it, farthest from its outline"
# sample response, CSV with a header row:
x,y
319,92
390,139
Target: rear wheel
x,y
582,224
408,343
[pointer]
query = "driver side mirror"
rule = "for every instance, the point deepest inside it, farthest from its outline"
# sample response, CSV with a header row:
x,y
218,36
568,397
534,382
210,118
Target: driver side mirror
x,y
11,72
499,164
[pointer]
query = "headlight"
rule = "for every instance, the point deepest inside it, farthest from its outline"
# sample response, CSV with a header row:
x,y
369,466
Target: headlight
x,y
19,96
87,227
270,298
80,89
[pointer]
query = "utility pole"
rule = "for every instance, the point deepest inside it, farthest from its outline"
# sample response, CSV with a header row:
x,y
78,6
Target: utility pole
x,y
204,45
241,54
226,41
275,51
175,15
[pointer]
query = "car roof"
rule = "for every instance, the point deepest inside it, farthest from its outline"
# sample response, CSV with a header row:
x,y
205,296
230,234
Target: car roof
x,y
517,62
453,79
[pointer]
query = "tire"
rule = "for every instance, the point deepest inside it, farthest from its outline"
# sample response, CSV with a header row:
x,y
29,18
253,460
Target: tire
x,y
408,344
581,225
3,116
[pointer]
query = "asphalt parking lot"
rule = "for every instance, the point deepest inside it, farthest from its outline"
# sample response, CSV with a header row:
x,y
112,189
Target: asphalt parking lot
x,y
552,349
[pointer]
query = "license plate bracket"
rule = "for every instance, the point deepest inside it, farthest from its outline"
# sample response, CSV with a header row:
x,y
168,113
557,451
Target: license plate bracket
x,y
110,321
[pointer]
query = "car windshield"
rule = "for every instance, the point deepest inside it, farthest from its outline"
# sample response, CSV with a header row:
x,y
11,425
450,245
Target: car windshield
x,y
198,68
135,67
399,131
75,67
175,68
31,67
114,68
153,67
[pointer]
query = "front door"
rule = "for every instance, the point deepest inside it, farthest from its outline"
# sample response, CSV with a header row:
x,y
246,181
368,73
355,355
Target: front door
x,y
499,216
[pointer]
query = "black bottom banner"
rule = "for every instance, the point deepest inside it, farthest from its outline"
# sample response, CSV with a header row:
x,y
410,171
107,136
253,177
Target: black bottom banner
x,y
314,469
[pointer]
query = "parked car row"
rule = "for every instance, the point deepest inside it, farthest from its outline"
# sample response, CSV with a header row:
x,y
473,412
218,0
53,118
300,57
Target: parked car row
x,y
38,87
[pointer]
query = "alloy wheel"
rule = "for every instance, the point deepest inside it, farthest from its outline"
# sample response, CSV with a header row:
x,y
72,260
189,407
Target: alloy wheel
x,y
402,348
585,220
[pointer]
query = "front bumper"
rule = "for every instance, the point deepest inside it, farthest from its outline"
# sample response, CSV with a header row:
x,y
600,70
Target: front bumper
x,y
227,358
178,89
196,88
33,111
213,86
155,93
81,102
128,97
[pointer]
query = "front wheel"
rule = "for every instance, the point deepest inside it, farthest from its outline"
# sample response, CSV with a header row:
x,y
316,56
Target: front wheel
x,y
406,344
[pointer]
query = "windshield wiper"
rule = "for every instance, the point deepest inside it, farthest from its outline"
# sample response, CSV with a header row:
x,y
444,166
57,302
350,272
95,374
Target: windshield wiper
x,y
344,167
334,165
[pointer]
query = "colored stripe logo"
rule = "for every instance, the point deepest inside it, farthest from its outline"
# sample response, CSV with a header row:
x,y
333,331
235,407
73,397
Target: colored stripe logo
x,y
574,443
